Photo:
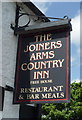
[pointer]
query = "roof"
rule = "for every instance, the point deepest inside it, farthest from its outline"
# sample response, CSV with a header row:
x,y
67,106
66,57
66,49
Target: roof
x,y
35,10
63,23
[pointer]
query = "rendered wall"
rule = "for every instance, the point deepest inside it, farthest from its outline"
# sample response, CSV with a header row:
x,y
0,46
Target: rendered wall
x,y
9,49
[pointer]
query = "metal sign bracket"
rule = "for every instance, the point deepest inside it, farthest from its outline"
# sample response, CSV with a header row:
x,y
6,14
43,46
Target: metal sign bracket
x,y
19,14
17,17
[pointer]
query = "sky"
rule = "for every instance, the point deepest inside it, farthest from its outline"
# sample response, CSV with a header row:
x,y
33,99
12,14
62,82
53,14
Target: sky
x,y
72,10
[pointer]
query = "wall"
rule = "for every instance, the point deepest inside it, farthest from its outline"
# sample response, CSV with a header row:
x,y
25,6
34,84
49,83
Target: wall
x,y
0,44
0,50
9,49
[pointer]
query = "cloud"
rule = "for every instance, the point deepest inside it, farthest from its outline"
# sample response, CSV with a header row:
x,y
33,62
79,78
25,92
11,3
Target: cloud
x,y
72,59
75,34
42,6
79,51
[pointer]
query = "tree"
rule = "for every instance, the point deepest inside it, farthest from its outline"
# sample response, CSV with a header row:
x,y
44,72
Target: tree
x,y
65,111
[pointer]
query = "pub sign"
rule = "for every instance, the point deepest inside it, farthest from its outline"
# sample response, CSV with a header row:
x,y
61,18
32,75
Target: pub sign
x,y
43,65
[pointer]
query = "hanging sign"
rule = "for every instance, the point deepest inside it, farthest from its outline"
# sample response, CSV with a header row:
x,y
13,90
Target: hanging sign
x,y
42,70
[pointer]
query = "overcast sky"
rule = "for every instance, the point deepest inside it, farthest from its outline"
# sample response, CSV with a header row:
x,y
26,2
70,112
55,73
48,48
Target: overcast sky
x,y
72,10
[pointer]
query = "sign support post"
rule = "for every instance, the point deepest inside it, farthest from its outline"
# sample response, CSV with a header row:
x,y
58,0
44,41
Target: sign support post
x,y
28,112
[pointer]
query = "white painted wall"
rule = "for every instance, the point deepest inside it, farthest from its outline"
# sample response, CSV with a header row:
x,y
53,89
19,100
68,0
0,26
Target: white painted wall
x,y
8,51
0,43
9,44
10,110
0,50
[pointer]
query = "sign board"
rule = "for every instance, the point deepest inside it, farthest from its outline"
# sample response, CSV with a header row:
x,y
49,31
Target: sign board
x,y
42,69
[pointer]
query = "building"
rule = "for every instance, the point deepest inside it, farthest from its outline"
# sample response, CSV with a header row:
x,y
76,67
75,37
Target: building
x,y
8,48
